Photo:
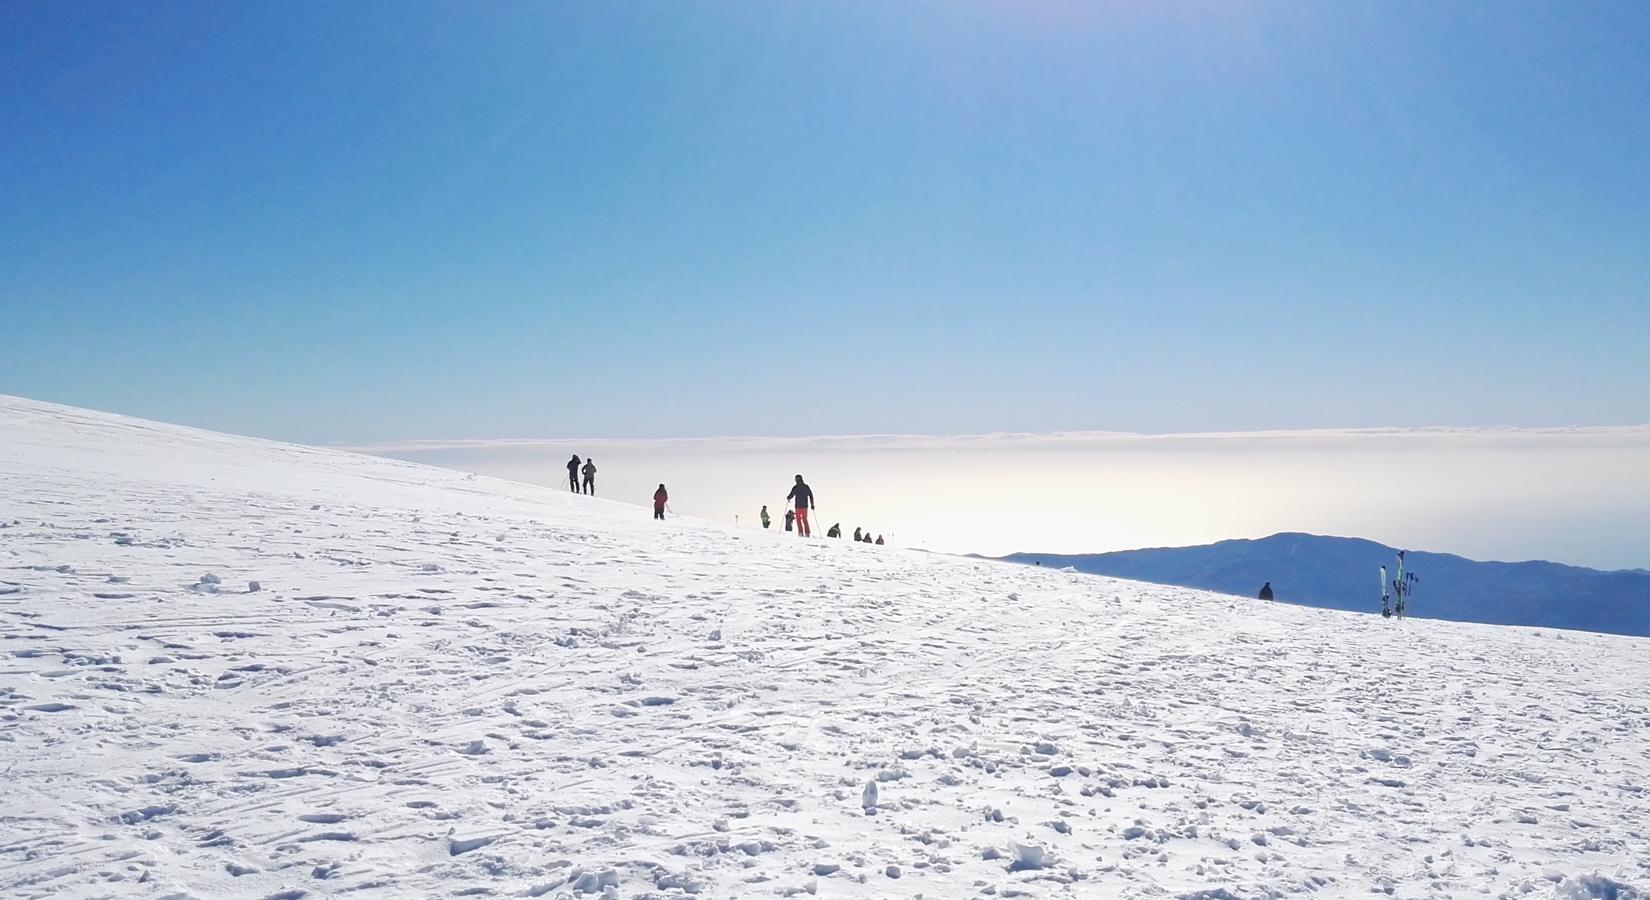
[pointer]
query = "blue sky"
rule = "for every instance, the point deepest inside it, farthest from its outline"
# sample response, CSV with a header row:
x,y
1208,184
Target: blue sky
x,y
357,222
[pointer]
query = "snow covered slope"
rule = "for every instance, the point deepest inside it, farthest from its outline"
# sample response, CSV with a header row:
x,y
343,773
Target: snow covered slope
x,y
453,685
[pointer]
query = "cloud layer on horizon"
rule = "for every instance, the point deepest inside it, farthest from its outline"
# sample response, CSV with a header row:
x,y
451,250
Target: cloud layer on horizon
x,y
1016,439
1578,495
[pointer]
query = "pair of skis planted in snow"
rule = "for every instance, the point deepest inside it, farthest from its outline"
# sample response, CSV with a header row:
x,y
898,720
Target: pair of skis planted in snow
x,y
1398,590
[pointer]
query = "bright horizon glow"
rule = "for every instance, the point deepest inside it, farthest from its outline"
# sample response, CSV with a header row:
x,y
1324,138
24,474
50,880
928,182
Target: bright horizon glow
x,y
1569,495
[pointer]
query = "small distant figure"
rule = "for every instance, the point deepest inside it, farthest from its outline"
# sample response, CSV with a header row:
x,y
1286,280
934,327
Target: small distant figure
x,y
590,477
573,473
856,536
790,517
660,498
835,531
804,497
879,540
765,520
867,538
1266,591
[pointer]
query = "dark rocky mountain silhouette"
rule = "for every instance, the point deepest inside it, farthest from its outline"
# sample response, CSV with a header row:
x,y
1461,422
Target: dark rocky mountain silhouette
x,y
1342,573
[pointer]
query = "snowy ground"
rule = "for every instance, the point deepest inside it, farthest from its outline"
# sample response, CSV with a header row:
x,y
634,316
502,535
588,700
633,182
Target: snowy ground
x,y
450,685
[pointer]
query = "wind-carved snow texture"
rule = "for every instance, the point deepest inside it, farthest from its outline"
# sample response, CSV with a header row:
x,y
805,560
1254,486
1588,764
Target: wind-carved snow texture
x,y
445,685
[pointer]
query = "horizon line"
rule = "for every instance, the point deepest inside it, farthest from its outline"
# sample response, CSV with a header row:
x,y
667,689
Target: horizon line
x,y
887,437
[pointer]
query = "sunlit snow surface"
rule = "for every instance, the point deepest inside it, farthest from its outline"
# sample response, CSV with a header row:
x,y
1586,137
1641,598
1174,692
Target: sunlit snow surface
x,y
450,684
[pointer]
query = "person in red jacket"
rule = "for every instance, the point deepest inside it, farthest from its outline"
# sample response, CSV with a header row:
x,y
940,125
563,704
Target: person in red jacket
x,y
660,498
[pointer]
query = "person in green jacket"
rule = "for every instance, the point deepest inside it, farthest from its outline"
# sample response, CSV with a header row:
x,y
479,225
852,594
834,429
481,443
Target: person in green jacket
x,y
765,520
590,477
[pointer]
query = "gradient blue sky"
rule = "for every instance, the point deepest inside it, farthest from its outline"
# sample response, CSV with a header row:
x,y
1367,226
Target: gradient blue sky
x,y
357,221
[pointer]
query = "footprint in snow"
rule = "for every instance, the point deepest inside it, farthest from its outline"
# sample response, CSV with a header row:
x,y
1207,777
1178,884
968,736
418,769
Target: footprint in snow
x,y
322,818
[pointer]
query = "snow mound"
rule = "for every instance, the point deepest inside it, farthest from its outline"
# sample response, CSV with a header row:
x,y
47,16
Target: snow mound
x,y
439,685
1596,887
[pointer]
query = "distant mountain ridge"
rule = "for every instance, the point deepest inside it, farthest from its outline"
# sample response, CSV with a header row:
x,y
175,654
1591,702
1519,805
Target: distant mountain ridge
x,y
1342,573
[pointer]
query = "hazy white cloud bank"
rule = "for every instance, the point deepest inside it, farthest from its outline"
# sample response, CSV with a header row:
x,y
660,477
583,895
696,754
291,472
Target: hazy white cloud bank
x,y
1579,495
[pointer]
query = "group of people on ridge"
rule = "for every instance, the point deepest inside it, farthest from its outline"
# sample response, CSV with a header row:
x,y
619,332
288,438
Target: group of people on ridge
x,y
864,538
588,470
800,502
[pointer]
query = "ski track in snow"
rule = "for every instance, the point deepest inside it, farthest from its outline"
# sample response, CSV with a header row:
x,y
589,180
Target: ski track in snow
x,y
450,685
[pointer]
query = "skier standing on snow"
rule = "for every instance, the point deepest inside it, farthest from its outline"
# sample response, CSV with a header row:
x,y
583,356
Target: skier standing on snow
x,y
573,473
789,518
1266,591
660,498
765,520
590,477
804,497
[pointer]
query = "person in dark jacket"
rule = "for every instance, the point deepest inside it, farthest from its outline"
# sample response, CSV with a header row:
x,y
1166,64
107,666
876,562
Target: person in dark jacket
x,y
835,531
856,535
790,517
1266,591
879,540
660,498
765,520
590,477
573,473
804,497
